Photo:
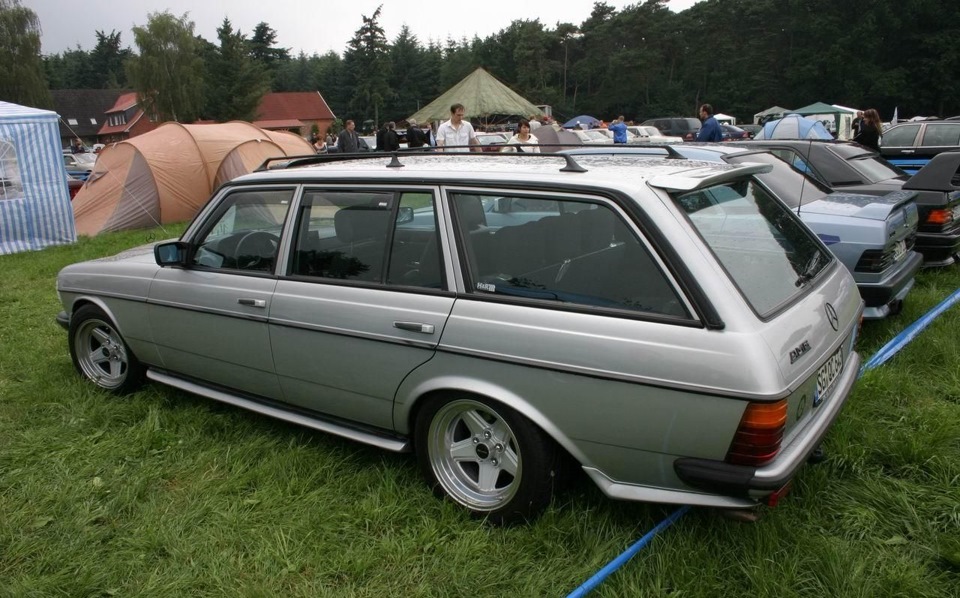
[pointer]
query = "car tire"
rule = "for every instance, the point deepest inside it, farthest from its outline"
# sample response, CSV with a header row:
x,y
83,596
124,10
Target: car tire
x,y
100,354
486,457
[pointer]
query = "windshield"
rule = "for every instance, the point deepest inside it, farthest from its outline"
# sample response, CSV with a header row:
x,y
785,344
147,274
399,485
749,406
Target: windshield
x,y
789,184
770,255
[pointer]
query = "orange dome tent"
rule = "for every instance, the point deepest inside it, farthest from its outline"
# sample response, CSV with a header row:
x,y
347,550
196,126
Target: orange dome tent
x,y
168,174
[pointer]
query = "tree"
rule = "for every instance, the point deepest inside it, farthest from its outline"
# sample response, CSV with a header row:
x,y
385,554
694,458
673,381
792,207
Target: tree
x,y
410,73
107,60
22,78
168,73
368,69
235,82
262,49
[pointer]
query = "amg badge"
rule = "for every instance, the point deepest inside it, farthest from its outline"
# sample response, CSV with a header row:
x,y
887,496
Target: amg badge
x,y
797,353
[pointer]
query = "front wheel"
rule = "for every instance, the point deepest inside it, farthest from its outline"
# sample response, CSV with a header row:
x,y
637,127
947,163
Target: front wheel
x,y
100,354
486,457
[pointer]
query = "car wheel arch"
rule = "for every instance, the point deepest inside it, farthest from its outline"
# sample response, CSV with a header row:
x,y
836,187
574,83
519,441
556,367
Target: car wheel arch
x,y
476,388
98,302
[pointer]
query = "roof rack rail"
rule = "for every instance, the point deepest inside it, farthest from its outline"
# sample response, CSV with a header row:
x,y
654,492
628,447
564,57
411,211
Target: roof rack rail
x,y
284,162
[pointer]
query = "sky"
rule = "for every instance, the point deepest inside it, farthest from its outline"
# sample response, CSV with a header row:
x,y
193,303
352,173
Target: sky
x,y
313,26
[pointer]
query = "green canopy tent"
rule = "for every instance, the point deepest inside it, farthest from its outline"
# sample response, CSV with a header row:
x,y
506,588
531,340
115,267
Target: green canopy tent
x,y
483,97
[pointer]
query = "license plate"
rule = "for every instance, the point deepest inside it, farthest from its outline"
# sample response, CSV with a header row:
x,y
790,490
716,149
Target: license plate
x,y
827,376
899,250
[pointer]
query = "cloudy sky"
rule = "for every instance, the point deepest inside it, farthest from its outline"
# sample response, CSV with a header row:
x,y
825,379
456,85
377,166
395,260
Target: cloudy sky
x,y
308,25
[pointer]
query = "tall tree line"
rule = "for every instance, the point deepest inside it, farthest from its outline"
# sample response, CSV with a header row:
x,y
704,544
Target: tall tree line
x,y
642,61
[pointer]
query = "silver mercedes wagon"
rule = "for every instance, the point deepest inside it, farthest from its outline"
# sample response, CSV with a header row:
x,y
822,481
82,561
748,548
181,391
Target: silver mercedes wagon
x,y
669,325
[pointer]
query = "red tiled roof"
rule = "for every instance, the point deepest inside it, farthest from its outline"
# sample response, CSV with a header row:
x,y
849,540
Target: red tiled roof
x,y
125,101
294,105
287,123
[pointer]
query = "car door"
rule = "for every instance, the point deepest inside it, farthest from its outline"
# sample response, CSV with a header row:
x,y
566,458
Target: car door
x,y
363,302
209,319
899,146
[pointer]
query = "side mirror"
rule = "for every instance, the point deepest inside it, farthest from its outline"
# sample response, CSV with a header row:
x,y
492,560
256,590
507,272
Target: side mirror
x,y
404,215
173,253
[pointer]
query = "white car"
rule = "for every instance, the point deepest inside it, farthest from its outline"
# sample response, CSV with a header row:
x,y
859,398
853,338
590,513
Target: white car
x,y
648,134
593,136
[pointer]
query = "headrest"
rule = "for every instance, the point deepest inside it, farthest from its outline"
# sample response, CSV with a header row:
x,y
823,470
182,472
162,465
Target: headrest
x,y
470,208
361,223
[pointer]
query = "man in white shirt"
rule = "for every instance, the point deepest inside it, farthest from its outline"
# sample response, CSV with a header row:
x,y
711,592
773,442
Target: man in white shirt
x,y
457,131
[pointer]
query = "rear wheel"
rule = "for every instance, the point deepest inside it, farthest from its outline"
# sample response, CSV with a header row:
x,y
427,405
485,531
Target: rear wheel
x,y
100,354
486,457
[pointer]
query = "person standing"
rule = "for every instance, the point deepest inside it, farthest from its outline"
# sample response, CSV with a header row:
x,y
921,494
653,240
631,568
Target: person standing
x,y
76,146
710,129
457,132
857,123
415,137
619,129
391,141
534,123
348,142
870,128
523,141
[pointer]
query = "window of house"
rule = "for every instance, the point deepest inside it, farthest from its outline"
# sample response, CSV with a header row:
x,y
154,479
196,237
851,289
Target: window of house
x,y
93,121
369,236
562,252
72,122
10,186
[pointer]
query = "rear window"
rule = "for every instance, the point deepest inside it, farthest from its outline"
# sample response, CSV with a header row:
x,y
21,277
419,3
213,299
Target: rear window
x,y
770,255
787,179
871,167
941,134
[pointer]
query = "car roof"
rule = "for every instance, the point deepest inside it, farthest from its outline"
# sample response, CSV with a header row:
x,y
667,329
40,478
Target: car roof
x,y
624,174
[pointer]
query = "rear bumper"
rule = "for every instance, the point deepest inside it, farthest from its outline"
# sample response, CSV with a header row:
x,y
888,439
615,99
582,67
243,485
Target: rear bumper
x,y
756,482
938,249
892,288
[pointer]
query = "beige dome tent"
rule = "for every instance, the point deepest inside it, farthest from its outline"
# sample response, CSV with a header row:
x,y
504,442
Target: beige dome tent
x,y
168,174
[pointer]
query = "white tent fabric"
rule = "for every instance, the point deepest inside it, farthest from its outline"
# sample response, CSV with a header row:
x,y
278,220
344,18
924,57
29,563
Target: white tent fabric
x,y
34,201
725,118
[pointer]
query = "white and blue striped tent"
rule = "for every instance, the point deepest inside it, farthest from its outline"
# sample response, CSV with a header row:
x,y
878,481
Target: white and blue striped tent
x,y
35,206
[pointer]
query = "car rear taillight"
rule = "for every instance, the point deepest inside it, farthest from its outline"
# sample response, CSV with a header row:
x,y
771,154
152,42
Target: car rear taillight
x,y
759,435
940,216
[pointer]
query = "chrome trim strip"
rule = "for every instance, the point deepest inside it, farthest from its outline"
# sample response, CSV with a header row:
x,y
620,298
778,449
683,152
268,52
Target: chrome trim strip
x,y
207,310
606,375
383,442
101,293
382,338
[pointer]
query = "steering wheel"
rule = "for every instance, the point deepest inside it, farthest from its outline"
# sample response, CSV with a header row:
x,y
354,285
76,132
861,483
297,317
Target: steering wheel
x,y
256,249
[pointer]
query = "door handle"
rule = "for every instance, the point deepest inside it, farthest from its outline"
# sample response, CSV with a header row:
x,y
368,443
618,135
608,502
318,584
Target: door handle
x,y
414,327
252,302
908,151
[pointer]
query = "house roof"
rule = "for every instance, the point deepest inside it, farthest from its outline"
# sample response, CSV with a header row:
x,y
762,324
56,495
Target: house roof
x,y
294,105
287,123
124,102
80,106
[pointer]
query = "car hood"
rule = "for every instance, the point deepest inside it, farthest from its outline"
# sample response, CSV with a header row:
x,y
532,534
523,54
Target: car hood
x,y
855,205
142,254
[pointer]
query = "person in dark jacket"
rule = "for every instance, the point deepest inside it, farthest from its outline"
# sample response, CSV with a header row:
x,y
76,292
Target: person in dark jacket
x,y
415,137
391,141
870,129
710,129
348,142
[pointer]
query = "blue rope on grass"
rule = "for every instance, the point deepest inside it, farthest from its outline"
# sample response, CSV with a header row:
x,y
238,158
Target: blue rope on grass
x,y
628,554
909,333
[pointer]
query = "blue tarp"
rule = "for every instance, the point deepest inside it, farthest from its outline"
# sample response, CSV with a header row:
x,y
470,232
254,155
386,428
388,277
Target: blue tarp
x,y
35,206
793,126
584,120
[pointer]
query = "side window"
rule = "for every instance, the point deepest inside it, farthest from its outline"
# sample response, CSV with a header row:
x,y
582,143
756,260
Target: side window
x,y
245,231
796,161
345,235
10,186
939,135
579,253
904,136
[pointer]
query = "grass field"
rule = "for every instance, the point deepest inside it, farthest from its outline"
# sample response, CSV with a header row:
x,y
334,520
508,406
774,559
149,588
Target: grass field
x,y
165,494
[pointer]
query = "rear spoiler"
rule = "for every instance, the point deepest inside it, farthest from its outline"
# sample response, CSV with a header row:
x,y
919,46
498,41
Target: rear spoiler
x,y
937,175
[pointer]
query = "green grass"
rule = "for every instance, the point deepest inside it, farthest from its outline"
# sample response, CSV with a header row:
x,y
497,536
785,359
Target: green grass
x,y
165,494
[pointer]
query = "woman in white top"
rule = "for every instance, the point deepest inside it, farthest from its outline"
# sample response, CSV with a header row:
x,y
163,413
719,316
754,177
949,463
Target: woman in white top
x,y
522,141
